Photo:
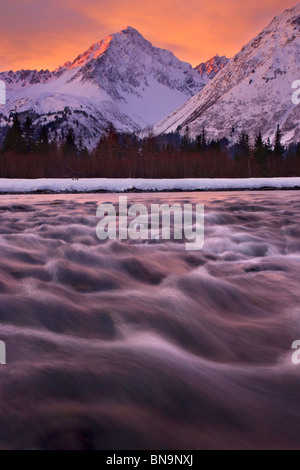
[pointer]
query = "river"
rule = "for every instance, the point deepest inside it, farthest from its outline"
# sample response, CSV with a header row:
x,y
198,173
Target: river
x,y
142,344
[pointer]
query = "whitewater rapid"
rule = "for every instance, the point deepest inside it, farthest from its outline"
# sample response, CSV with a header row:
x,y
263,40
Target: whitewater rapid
x,y
142,344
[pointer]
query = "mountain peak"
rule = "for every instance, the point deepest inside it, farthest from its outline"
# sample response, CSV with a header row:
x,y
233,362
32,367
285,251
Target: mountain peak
x,y
131,30
211,67
122,79
253,92
100,47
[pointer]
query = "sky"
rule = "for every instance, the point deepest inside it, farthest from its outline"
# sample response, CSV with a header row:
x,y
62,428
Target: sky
x,y
43,34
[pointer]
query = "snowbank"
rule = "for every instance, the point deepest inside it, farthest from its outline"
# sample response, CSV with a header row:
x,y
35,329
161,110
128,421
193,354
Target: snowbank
x,y
86,185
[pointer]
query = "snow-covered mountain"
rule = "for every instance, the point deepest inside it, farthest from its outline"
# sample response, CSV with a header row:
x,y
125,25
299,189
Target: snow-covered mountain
x,y
211,67
122,79
254,90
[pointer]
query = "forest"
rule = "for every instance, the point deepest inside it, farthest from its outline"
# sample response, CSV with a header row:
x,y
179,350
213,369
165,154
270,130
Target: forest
x,y
27,152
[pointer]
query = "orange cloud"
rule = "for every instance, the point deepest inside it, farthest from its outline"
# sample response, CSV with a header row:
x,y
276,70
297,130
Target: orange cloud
x,y
46,33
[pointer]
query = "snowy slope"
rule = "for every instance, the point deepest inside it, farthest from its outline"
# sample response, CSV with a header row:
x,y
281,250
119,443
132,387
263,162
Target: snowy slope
x,y
123,79
254,90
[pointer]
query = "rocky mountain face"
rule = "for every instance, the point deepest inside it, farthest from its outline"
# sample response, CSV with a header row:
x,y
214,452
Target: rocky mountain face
x,y
253,92
213,66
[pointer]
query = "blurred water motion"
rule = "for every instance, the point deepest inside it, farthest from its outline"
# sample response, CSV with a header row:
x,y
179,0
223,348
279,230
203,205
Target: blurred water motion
x,y
139,345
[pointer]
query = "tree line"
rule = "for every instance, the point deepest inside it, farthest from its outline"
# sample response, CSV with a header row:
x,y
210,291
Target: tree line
x,y
27,152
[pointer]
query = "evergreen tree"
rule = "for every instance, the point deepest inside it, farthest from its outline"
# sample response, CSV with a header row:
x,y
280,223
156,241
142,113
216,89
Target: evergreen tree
x,y
269,147
185,141
108,146
82,150
43,145
278,147
28,134
112,140
69,147
14,140
201,141
243,146
261,152
260,149
84,153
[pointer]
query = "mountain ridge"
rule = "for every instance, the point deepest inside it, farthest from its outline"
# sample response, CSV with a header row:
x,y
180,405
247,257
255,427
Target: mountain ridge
x,y
253,92
122,79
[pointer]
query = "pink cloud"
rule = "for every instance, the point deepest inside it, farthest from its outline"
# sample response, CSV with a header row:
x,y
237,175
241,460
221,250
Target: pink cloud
x,y
46,33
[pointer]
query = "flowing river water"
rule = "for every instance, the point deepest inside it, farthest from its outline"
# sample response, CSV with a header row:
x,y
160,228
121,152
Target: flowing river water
x,y
145,345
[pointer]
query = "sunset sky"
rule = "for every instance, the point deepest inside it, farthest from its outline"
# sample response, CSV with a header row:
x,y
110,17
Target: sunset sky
x,y
46,33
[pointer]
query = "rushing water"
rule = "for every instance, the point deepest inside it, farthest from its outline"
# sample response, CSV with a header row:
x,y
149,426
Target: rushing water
x,y
139,345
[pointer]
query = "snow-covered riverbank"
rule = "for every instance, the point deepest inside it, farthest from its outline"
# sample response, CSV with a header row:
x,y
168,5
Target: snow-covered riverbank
x,y
86,185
